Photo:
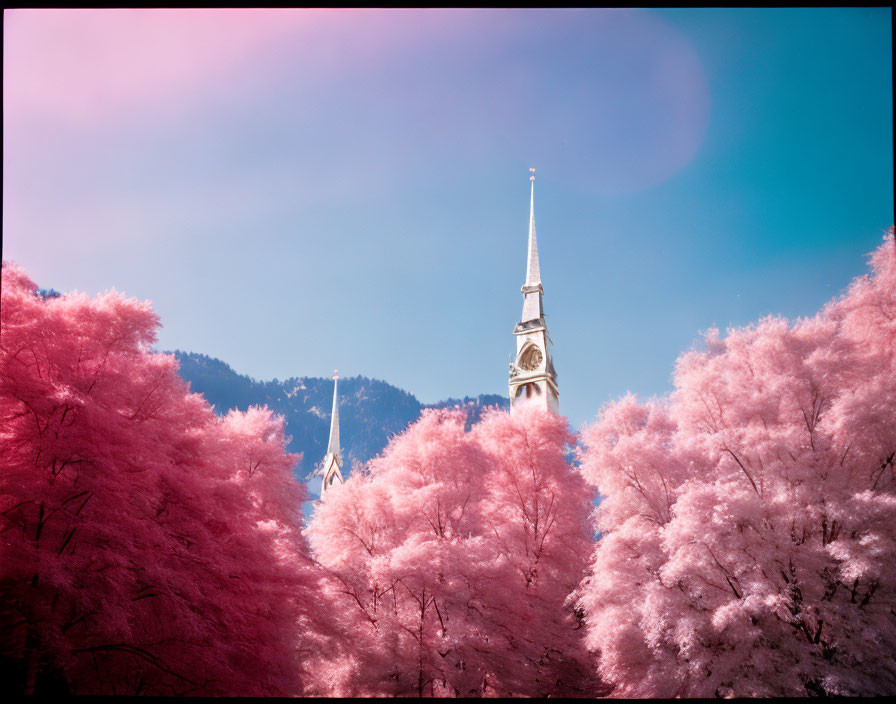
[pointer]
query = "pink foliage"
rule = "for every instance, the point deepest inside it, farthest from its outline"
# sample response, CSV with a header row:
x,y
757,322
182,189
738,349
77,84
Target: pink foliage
x,y
146,545
749,521
455,555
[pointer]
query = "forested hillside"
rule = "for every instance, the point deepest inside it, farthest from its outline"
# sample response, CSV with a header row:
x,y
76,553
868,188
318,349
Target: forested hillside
x,y
370,410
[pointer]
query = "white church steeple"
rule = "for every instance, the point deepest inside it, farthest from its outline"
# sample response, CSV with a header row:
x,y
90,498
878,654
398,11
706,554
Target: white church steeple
x,y
532,289
532,373
332,464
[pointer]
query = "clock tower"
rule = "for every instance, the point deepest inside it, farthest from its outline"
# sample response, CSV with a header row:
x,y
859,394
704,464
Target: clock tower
x,y
532,374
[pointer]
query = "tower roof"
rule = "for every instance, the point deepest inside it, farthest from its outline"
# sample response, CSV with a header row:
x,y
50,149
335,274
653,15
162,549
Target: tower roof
x,y
533,273
333,446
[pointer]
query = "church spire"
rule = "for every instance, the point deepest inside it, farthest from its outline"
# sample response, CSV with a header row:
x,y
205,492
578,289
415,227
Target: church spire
x,y
332,464
532,289
333,446
533,274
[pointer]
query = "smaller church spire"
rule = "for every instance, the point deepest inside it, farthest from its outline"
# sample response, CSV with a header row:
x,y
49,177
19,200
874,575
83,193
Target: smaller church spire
x,y
333,447
332,464
533,274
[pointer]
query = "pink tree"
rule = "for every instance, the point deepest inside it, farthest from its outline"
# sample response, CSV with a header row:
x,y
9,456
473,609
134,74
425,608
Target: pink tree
x,y
147,546
455,554
536,522
749,521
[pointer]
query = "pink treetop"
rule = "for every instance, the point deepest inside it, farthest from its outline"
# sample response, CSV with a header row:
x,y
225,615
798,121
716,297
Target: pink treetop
x,y
147,546
456,552
394,539
750,519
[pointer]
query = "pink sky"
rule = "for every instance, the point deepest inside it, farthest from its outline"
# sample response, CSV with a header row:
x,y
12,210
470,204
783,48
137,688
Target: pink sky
x,y
83,66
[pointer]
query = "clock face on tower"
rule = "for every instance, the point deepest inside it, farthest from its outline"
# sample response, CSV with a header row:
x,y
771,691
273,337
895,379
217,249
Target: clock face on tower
x,y
531,359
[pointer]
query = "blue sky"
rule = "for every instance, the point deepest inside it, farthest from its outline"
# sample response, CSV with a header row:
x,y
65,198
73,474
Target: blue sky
x,y
298,191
